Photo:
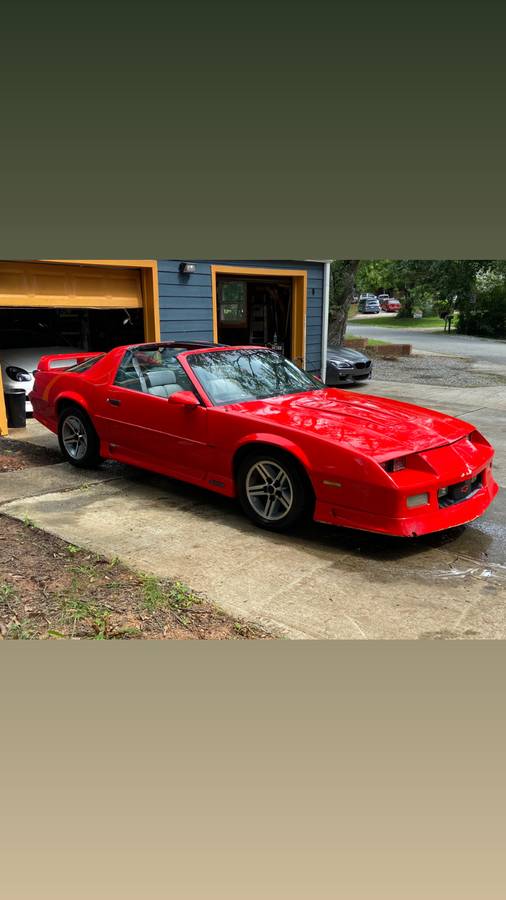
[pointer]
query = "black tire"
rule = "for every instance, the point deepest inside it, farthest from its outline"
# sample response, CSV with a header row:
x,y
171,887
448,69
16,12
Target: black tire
x,y
296,491
87,453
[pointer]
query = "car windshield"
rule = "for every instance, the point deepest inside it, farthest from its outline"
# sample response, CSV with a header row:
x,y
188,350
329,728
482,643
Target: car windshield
x,y
236,376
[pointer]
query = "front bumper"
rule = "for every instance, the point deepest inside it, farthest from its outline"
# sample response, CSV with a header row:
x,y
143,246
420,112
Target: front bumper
x,y
414,525
387,512
338,377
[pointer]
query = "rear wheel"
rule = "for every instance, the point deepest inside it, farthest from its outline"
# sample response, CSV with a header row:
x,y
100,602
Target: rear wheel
x,y
78,439
272,489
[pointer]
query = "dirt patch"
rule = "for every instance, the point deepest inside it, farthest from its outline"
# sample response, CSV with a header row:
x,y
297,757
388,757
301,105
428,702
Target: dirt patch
x,y
16,455
50,589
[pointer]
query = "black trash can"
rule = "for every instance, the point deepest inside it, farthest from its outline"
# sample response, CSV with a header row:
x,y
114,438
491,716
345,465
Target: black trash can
x,y
15,402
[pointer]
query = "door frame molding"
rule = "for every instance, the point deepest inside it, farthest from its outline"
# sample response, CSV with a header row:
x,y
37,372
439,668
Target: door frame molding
x,y
299,301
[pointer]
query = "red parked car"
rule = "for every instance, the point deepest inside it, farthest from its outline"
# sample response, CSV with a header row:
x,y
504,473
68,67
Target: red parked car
x,y
247,423
389,304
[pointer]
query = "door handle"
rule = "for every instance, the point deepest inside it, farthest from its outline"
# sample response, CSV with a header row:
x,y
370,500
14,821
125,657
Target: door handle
x,y
113,402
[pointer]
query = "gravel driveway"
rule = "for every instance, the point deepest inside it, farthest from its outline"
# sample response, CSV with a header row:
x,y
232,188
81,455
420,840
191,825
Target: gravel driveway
x,y
444,370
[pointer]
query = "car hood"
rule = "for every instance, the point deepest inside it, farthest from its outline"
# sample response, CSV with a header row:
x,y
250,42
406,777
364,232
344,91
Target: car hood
x,y
343,353
373,426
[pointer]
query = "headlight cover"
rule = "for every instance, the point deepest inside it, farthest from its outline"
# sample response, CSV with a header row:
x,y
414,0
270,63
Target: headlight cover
x,y
17,374
395,465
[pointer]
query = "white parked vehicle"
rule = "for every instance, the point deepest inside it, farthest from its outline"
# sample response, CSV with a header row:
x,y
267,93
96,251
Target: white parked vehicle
x,y
19,364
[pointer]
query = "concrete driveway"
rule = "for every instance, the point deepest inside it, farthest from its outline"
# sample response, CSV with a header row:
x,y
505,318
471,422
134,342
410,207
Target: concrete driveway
x,y
320,582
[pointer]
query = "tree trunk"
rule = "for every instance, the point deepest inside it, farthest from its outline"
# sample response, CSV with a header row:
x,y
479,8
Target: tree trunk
x,y
407,307
342,298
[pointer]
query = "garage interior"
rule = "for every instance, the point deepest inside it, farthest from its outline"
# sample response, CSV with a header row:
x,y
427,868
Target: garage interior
x,y
82,305
255,310
78,329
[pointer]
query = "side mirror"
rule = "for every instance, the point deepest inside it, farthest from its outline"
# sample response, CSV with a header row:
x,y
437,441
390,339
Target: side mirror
x,y
183,398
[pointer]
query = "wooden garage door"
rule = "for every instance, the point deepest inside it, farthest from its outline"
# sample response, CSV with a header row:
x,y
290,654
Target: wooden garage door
x,y
43,284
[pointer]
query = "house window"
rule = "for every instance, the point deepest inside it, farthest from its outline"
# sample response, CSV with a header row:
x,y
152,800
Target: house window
x,y
233,304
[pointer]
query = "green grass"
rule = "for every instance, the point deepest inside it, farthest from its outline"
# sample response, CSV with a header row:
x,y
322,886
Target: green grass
x,y
159,595
394,322
20,631
6,593
372,342
76,610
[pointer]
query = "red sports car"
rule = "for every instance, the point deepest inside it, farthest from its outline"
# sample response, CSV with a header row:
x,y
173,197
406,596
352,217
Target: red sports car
x,y
247,423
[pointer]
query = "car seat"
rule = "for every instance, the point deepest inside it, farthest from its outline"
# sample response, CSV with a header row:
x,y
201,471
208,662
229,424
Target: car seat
x,y
162,383
225,390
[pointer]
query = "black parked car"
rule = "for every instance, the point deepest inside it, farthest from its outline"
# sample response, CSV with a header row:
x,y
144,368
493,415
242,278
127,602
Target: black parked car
x,y
346,366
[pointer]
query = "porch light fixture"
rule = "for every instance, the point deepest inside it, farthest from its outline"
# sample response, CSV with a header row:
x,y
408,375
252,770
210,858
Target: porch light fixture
x,y
187,268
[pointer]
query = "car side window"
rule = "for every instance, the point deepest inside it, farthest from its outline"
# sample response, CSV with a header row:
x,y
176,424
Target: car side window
x,y
155,372
127,375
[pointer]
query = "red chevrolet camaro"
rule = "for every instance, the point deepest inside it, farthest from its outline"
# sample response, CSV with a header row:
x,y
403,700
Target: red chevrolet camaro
x,y
246,422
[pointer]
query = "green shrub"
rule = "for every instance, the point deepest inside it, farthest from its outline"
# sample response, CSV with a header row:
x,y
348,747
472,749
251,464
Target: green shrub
x,y
486,315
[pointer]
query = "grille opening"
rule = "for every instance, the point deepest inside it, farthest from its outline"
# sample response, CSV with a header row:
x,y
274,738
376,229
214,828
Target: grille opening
x,y
456,493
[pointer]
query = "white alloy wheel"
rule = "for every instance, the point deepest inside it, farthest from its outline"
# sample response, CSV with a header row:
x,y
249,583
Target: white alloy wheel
x,y
269,490
74,437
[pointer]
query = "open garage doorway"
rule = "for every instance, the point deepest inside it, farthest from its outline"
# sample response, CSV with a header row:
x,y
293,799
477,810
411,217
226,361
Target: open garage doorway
x,y
79,329
60,306
28,334
261,306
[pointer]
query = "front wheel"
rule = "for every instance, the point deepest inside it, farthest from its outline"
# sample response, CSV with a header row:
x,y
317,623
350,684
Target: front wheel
x,y
78,439
272,490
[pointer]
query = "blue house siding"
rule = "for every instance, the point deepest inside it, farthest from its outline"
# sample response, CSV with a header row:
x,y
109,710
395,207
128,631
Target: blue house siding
x,y
186,303
186,309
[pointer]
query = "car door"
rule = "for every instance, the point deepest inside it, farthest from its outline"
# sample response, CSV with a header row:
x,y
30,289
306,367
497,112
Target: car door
x,y
143,428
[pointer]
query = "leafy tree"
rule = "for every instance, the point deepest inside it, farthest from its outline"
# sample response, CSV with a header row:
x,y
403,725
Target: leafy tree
x,y
416,281
377,276
486,317
406,278
474,288
485,311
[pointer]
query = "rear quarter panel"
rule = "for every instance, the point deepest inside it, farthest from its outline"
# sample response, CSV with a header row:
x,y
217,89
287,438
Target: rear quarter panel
x,y
52,387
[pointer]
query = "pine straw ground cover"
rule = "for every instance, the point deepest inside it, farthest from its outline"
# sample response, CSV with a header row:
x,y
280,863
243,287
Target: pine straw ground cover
x,y
52,590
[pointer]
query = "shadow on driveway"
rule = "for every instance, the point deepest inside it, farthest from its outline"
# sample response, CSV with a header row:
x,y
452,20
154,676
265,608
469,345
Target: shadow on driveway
x,y
463,540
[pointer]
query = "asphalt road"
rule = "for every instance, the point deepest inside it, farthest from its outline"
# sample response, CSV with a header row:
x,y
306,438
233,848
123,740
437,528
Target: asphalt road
x,y
480,349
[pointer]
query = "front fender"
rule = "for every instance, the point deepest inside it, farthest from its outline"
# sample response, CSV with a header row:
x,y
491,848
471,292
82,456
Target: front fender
x,y
276,440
